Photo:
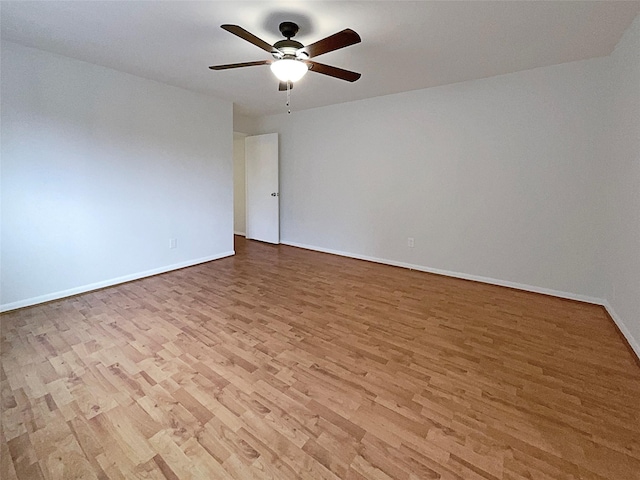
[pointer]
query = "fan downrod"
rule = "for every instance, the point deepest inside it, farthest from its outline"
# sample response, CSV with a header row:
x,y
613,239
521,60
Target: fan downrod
x,y
288,29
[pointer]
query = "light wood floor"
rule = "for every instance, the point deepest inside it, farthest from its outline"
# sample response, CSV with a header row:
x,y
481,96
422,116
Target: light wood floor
x,y
288,364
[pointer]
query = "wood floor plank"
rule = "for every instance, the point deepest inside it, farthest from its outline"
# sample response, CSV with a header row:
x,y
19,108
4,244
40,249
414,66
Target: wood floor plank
x,y
283,363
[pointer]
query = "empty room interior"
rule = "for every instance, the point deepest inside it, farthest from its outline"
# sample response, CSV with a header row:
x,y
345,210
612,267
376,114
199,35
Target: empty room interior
x,y
320,240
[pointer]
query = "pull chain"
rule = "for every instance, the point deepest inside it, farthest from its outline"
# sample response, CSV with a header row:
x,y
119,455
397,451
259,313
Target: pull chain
x,y
289,98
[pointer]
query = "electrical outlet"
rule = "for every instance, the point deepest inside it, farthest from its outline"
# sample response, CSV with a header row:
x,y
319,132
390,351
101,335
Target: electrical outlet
x,y
410,242
173,243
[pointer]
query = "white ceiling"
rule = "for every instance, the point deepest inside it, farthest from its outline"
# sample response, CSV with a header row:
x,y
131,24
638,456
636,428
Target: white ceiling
x,y
405,45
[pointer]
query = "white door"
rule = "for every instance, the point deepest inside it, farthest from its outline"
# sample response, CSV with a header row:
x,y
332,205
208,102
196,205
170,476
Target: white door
x,y
263,195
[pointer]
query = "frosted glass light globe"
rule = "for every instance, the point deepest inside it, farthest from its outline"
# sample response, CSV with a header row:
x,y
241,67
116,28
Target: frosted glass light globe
x,y
289,70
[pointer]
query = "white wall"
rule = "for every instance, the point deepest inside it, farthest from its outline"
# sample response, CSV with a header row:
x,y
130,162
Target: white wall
x,y
244,124
239,185
493,178
99,170
622,161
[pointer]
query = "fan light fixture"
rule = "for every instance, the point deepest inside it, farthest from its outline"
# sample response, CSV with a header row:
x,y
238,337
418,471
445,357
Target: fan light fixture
x,y
291,59
289,70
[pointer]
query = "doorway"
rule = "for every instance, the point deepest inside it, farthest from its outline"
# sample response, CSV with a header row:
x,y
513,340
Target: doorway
x,y
239,185
256,187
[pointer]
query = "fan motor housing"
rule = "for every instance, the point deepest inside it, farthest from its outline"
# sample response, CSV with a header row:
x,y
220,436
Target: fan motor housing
x,y
290,48
288,45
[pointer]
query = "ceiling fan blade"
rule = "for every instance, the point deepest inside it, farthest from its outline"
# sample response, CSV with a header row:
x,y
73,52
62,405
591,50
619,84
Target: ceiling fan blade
x,y
334,42
283,86
249,37
238,65
336,72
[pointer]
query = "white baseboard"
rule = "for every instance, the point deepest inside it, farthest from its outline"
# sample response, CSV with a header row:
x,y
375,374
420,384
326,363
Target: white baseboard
x,y
243,234
492,281
633,343
108,283
464,276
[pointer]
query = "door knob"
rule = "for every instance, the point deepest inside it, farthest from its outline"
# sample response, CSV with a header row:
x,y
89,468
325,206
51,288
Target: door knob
x,y
274,194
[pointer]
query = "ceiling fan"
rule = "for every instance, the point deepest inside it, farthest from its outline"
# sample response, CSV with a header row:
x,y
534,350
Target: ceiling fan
x,y
291,58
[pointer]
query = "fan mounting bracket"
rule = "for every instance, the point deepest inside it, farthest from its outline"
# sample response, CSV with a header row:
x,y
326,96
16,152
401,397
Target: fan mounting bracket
x,y
288,29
